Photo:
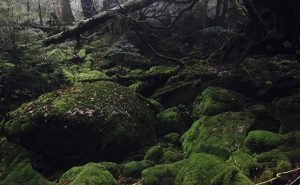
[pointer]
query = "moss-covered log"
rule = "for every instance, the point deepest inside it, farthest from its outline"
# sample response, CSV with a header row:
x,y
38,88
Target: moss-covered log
x,y
103,17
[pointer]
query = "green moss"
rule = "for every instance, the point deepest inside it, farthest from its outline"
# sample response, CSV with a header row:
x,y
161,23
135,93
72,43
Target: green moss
x,y
82,53
172,138
59,55
162,174
258,110
286,110
134,168
23,173
262,69
219,135
266,175
154,153
245,162
15,167
170,120
91,173
276,160
260,140
199,169
91,76
98,119
161,70
163,154
112,167
231,176
215,100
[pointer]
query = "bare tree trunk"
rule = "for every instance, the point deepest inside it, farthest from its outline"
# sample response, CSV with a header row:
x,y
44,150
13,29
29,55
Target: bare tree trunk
x,y
66,12
40,13
88,8
28,6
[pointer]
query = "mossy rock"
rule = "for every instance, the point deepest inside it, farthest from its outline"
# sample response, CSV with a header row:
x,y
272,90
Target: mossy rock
x,y
231,176
15,167
173,138
215,100
161,174
23,86
208,169
286,110
99,121
171,95
91,76
272,76
91,173
260,140
262,68
170,120
163,154
23,173
134,168
219,135
128,59
112,167
246,162
199,169
275,160
161,71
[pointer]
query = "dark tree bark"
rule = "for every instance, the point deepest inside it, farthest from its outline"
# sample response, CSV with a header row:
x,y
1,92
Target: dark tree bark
x,y
88,8
40,13
63,11
66,12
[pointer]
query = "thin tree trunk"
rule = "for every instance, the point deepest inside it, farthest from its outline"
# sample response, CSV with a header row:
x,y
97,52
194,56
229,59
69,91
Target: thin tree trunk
x,y
40,13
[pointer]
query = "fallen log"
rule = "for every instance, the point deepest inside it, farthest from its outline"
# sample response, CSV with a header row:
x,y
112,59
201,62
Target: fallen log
x,y
101,18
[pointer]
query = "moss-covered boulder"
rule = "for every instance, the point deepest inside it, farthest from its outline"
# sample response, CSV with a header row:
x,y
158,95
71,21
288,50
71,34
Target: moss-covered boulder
x,y
215,100
91,76
91,173
173,138
275,161
15,166
272,76
163,154
231,176
208,169
170,120
162,174
98,121
173,94
134,168
112,167
246,162
260,140
219,135
22,86
286,110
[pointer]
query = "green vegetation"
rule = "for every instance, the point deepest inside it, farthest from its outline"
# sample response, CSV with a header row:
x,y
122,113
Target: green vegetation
x,y
91,173
259,140
77,120
134,168
219,135
215,100
152,92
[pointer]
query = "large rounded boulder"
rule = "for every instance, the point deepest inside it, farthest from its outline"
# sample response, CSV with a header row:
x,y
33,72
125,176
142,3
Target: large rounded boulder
x,y
98,121
215,100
